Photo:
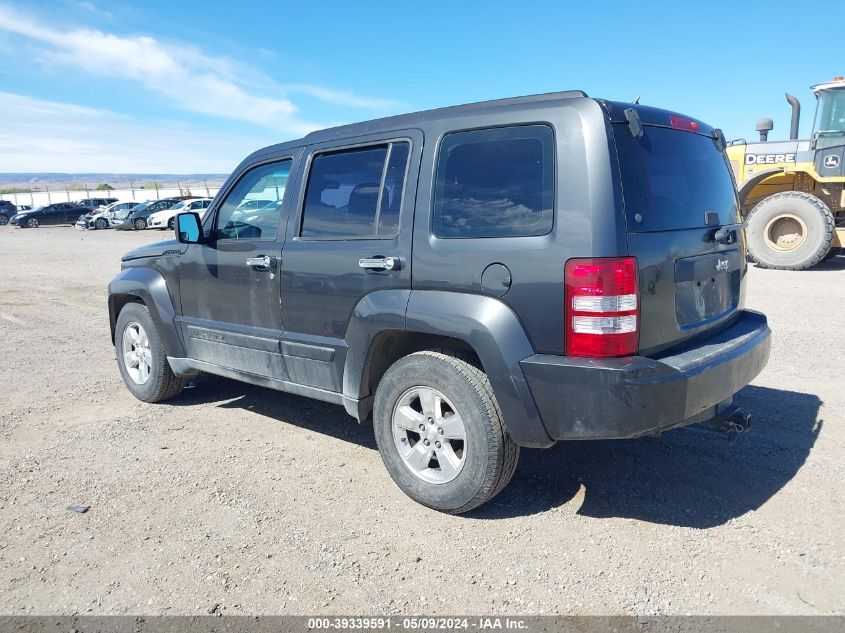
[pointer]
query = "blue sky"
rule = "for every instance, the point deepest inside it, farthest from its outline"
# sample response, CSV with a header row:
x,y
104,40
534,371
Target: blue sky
x,y
182,87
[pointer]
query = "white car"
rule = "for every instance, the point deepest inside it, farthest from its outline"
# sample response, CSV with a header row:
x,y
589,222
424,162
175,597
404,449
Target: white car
x,y
102,217
167,218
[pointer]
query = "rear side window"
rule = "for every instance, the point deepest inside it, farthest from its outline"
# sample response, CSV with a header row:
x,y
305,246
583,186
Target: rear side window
x,y
355,193
672,179
495,183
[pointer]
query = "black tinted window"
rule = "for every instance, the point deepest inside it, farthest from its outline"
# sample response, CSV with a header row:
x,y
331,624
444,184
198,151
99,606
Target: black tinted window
x,y
355,193
672,179
495,183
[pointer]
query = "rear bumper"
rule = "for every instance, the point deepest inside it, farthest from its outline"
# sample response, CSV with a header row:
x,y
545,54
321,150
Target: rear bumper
x,y
587,398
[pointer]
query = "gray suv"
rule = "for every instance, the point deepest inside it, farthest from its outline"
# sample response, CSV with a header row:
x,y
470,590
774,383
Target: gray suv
x,y
473,279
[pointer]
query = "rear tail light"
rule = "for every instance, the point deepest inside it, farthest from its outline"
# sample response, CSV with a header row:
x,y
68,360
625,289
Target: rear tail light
x,y
680,123
602,307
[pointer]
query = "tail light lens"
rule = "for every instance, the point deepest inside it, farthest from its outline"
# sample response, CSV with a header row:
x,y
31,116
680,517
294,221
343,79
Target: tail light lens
x,y
680,123
602,307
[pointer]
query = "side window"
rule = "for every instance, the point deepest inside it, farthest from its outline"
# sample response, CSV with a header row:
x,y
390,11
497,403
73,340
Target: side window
x,y
497,182
252,208
355,193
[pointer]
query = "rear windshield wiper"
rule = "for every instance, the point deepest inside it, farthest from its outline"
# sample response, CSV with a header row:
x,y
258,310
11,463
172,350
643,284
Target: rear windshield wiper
x,y
727,233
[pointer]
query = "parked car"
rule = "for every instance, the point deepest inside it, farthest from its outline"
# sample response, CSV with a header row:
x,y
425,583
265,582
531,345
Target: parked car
x,y
475,279
101,218
137,218
93,203
165,219
56,213
7,210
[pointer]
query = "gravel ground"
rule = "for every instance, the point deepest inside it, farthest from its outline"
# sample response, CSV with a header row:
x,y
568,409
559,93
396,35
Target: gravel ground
x,y
234,499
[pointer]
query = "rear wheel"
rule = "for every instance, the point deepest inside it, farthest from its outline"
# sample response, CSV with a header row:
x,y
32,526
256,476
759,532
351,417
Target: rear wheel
x,y
440,433
790,230
141,357
101,223
140,224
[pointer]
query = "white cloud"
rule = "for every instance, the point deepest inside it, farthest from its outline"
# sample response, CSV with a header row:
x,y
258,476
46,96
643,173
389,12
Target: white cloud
x,y
50,136
187,77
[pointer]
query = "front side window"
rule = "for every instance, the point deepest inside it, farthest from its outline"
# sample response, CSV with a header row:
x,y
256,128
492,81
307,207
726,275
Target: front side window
x,y
239,218
497,182
355,193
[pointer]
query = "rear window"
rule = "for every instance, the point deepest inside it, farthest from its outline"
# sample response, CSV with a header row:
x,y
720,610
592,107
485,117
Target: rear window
x,y
672,179
495,183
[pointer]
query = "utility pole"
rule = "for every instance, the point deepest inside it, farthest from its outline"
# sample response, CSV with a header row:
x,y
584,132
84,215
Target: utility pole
x,y
207,192
47,189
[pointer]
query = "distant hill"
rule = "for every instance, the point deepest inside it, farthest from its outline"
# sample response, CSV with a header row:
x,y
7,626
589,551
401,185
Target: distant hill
x,y
58,181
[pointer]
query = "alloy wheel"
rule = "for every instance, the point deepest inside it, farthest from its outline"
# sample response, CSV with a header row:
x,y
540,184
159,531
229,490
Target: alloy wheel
x,y
429,435
137,356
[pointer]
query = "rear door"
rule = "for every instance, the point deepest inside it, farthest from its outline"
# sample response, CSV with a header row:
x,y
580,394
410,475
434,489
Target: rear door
x,y
678,192
354,213
72,213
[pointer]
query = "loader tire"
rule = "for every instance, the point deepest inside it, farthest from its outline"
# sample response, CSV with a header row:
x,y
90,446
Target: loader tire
x,y
790,230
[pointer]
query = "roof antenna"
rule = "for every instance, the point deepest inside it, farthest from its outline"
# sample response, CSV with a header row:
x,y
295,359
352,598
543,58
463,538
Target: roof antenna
x,y
637,100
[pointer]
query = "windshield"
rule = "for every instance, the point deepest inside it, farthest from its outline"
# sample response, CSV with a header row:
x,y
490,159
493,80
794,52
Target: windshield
x,y
830,111
672,179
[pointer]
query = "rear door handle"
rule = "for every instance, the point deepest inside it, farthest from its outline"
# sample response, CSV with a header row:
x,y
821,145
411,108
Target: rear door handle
x,y
380,263
262,261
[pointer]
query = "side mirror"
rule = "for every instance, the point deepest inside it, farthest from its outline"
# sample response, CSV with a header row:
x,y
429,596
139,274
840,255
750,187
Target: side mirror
x,y
188,228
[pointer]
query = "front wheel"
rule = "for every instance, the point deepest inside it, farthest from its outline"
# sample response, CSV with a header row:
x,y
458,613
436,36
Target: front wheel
x,y
101,223
790,230
141,357
32,223
440,432
4,219
140,224
171,224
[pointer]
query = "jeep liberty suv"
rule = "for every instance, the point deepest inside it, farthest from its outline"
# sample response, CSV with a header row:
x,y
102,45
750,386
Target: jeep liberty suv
x,y
474,279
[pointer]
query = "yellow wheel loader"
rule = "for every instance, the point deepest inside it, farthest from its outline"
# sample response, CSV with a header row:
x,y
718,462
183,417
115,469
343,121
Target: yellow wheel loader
x,y
792,192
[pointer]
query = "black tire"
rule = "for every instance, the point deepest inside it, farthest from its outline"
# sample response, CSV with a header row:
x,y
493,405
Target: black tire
x,y
4,219
171,224
162,383
491,454
786,207
140,224
101,223
32,223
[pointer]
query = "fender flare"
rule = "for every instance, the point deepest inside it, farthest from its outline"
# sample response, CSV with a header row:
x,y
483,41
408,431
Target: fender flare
x,y
150,287
487,325
755,180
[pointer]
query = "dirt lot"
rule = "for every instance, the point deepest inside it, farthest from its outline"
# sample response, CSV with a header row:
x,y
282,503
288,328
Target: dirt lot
x,y
236,499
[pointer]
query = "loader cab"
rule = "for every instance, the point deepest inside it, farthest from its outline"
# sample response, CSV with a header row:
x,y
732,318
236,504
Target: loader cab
x,y
828,141
830,107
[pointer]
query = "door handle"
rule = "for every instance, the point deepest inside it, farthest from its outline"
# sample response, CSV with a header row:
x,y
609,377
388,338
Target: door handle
x,y
380,263
262,261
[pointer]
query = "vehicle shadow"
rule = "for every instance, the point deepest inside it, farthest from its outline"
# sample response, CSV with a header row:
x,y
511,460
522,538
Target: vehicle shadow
x,y
320,417
696,476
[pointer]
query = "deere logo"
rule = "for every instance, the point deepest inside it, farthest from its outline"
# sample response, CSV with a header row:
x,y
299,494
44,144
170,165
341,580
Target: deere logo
x,y
831,161
769,159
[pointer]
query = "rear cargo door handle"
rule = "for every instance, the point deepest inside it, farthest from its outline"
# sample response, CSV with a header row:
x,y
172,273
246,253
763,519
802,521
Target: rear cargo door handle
x,y
380,263
262,261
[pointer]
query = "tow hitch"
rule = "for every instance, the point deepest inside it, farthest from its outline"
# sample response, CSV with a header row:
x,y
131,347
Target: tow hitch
x,y
732,419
